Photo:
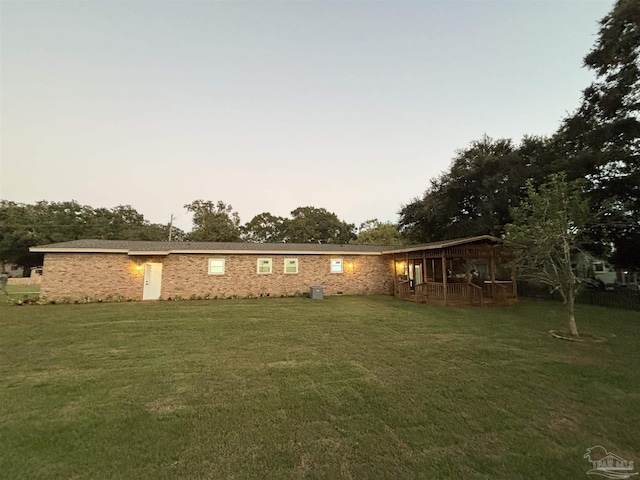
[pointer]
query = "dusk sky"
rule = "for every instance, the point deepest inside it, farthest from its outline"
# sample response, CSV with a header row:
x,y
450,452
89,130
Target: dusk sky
x,y
351,106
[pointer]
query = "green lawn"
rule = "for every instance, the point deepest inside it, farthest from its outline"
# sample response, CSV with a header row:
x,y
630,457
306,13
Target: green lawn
x,y
347,387
15,292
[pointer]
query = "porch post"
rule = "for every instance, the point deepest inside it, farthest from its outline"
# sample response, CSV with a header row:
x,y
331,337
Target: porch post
x,y
444,278
492,267
467,264
395,275
492,272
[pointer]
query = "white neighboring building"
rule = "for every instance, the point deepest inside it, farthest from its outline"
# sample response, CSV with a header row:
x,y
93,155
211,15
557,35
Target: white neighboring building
x,y
12,270
604,273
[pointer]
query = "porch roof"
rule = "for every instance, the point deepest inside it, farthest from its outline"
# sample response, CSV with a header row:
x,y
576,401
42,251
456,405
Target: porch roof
x,y
444,244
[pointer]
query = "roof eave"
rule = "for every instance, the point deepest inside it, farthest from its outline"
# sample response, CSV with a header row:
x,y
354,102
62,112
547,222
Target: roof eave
x,y
201,252
77,250
443,244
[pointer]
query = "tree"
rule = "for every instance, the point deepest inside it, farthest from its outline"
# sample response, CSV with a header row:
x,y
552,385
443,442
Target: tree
x,y
25,225
317,225
474,196
602,138
158,232
547,233
213,222
122,222
265,228
17,234
375,232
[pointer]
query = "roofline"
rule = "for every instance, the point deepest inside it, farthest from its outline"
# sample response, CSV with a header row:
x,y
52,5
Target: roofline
x,y
279,252
251,251
77,250
442,244
204,251
149,252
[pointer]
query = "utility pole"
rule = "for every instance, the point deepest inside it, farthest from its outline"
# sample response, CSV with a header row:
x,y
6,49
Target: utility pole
x,y
170,226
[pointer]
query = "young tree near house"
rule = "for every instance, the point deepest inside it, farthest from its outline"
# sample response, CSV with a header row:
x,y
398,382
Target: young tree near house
x,y
546,233
213,222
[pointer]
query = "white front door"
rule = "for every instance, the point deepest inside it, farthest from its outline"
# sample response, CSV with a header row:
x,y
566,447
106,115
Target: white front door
x,y
152,281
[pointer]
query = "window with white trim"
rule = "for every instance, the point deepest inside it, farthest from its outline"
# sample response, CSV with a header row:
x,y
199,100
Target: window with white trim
x,y
290,265
336,265
216,266
265,265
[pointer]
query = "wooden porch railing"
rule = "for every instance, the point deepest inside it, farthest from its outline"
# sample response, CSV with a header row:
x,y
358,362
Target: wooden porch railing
x,y
430,290
476,294
404,288
468,293
500,291
464,292
510,288
456,292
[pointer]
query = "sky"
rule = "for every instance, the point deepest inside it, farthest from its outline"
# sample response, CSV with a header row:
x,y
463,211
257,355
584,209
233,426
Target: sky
x,y
352,106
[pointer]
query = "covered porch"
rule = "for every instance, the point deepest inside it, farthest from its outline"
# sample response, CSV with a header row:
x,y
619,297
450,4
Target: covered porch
x,y
467,271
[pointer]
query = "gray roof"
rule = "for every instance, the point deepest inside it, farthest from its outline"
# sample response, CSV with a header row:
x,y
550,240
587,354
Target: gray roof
x,y
133,247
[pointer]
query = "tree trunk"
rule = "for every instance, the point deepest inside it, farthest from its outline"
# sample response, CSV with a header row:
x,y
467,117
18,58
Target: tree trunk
x,y
572,319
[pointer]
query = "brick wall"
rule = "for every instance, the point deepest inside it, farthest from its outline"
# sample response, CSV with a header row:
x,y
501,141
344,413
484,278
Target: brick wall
x,y
96,275
77,275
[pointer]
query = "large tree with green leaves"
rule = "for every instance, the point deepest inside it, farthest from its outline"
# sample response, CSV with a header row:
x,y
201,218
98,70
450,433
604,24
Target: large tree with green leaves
x,y
317,225
474,196
26,225
213,222
375,232
17,234
265,228
601,140
547,233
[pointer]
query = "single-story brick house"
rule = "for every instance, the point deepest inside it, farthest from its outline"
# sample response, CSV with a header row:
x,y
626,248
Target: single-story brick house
x,y
102,269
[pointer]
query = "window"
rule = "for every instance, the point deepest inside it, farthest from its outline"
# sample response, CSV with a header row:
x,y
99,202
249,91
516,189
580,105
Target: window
x,y
290,265
216,266
264,265
336,266
598,267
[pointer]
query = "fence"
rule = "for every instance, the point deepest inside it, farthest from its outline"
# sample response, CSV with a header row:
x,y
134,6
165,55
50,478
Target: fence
x,y
618,298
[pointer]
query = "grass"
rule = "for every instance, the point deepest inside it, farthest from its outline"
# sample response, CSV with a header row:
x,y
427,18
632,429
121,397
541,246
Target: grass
x,y
347,387
20,292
